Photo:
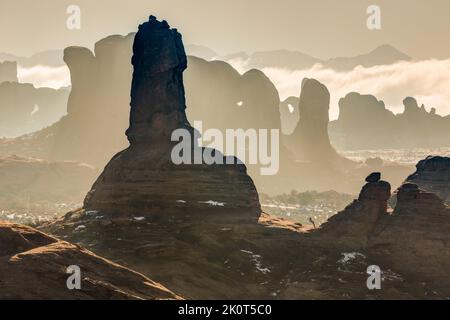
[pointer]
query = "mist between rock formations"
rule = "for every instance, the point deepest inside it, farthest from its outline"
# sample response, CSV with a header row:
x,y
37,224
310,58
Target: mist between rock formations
x,y
427,80
45,76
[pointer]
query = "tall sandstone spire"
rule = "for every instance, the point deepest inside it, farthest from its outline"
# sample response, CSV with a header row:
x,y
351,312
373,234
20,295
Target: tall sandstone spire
x,y
142,179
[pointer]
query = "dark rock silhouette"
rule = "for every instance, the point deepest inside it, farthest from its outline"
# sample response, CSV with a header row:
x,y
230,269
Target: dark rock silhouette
x,y
374,177
154,185
433,175
8,71
33,266
415,237
351,228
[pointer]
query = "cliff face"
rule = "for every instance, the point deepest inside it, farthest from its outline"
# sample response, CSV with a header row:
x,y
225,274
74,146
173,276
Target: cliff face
x,y
153,184
433,175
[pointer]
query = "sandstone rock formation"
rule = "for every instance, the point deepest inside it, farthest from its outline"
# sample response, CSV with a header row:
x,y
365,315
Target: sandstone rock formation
x,y
33,266
312,143
222,98
153,184
92,130
365,123
8,71
147,213
351,229
433,175
278,259
26,109
415,238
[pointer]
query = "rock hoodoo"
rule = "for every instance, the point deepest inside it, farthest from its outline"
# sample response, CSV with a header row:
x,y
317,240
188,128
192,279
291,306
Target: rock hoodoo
x,y
142,179
374,177
310,141
352,227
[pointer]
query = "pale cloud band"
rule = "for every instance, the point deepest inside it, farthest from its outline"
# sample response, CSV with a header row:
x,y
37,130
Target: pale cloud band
x,y
428,81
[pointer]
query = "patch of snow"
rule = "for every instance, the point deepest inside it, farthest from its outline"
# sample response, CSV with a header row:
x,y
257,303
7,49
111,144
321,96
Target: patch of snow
x,y
256,259
92,212
214,203
390,276
139,218
349,256
181,201
80,227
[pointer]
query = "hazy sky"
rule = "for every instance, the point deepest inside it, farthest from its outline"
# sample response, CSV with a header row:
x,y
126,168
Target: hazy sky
x,y
322,28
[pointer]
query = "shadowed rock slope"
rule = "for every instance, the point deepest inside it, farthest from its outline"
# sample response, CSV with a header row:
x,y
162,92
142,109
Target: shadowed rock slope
x,y
33,266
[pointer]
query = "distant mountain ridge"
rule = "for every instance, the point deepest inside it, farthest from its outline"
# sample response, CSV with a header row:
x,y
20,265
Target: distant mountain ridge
x,y
296,60
51,58
285,59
